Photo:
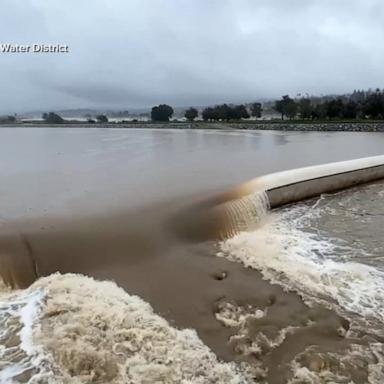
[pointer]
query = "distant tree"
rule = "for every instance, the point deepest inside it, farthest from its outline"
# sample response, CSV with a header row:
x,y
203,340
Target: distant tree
x,y
221,112
225,112
162,112
286,107
256,110
318,111
305,108
334,108
279,107
52,118
373,105
358,96
208,114
191,114
238,112
102,118
360,103
291,109
350,110
91,121
7,119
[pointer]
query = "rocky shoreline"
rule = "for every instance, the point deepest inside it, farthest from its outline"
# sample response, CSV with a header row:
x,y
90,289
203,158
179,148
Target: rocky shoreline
x,y
275,126
331,126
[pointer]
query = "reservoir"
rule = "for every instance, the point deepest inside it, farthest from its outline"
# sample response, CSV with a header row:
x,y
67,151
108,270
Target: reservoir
x,y
297,297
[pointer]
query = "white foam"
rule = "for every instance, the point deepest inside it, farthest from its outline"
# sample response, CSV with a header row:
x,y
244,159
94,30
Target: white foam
x,y
285,254
231,315
354,359
244,342
78,330
18,313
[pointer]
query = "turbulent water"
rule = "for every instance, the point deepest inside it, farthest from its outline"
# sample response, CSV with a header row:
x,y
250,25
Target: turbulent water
x,y
72,329
330,252
295,295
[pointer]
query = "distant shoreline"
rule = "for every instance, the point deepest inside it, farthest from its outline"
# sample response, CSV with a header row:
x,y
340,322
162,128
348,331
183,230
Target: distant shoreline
x,y
286,125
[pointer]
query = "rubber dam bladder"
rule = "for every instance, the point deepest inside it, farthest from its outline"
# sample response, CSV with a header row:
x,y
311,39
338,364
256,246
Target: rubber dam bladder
x,y
185,282
25,251
241,208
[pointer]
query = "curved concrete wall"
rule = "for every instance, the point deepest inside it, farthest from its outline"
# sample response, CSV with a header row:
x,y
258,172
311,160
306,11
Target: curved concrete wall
x,y
299,184
27,252
241,207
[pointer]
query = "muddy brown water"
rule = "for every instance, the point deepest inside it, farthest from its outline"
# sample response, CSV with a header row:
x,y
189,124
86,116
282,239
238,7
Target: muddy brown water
x,y
106,202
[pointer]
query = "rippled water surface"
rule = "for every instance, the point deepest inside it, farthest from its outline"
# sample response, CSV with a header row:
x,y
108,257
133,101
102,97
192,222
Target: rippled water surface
x,y
296,297
64,169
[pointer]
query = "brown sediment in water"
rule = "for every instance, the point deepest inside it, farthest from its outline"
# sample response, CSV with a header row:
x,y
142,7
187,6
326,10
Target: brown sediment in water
x,y
183,281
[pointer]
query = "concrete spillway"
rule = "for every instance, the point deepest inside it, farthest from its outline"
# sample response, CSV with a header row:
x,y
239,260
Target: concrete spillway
x,y
242,206
303,183
33,248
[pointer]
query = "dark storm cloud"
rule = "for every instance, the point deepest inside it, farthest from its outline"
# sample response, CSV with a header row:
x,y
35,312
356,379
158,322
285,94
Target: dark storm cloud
x,y
141,52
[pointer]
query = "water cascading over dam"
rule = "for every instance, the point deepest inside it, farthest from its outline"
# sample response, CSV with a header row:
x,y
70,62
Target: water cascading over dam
x,y
186,284
23,252
242,207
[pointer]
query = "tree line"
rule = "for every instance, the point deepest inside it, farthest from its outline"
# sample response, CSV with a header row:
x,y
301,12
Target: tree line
x,y
358,105
164,112
54,118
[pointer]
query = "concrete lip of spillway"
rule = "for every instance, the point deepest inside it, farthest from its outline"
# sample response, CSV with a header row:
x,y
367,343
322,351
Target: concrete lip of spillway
x,y
220,217
241,207
303,183
186,283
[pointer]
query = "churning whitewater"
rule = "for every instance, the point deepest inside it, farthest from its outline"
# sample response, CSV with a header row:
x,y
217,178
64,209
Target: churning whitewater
x,y
288,251
307,248
69,328
73,329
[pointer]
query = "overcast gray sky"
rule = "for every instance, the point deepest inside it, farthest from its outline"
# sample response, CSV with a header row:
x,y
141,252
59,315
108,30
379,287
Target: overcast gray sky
x,y
133,53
